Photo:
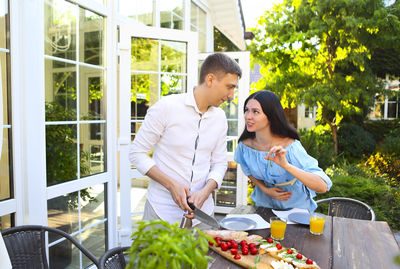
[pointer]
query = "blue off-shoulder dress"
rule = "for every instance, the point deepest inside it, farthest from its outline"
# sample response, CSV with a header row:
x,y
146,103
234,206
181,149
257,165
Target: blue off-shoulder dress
x,y
253,163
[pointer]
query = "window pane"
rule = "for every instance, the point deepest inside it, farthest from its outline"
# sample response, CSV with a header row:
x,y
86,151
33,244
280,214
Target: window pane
x,y
171,10
140,10
94,240
173,57
232,127
144,93
92,205
60,29
63,214
5,176
4,84
172,84
64,255
392,110
60,84
7,221
379,110
91,98
175,6
4,24
92,145
165,19
178,23
135,126
226,197
193,14
231,144
61,153
144,54
202,21
91,27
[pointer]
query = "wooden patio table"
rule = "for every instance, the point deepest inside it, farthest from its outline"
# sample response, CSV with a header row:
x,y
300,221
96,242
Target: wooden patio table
x,y
345,243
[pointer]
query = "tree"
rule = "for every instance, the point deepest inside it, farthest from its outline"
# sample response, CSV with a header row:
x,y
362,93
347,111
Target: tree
x,y
319,53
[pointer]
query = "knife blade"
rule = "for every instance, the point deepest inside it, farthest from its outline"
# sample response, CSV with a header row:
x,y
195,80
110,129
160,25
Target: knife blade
x,y
204,217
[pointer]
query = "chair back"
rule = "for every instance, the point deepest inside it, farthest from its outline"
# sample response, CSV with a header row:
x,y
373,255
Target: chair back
x,y
113,258
348,208
26,246
26,249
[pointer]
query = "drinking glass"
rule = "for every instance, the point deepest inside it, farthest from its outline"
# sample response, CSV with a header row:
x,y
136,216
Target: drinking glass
x,y
278,227
317,223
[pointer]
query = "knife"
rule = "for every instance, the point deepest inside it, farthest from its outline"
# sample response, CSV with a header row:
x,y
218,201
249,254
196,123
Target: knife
x,y
204,217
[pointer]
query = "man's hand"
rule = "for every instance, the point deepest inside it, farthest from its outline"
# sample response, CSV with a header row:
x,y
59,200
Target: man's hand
x,y
180,193
197,198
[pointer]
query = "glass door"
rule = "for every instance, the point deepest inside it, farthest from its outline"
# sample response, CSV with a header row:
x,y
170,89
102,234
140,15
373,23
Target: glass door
x,y
154,62
233,191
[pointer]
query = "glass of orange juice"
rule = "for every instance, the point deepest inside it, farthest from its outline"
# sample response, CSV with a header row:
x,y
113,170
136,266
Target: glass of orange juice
x,y
278,227
317,222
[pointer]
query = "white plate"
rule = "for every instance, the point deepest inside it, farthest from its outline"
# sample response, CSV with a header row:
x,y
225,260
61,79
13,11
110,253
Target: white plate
x,y
300,217
238,224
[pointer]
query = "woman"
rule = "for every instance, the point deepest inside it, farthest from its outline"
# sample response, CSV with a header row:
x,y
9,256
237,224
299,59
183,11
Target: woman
x,y
271,155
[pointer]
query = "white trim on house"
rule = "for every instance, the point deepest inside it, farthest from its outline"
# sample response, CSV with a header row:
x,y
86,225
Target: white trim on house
x,y
127,31
27,78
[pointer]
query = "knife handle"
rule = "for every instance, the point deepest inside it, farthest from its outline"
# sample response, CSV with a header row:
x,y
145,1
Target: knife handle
x,y
191,205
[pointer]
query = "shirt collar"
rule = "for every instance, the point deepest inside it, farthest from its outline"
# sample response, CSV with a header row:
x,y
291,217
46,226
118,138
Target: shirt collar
x,y
190,101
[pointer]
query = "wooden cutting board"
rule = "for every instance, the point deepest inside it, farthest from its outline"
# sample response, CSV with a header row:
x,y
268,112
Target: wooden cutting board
x,y
247,261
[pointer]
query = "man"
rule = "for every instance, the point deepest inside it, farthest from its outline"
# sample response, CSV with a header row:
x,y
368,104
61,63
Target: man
x,y
188,133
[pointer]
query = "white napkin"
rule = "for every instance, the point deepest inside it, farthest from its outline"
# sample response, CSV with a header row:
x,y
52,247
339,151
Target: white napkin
x,y
5,262
284,214
260,222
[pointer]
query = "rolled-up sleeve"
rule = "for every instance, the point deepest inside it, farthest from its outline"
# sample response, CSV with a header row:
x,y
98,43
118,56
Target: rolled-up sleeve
x,y
309,164
239,158
219,162
148,135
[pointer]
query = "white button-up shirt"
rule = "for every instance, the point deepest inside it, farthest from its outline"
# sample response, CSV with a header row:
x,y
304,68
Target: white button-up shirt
x,y
172,126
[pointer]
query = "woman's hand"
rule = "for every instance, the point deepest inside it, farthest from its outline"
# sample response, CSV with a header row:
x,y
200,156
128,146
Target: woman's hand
x,y
277,154
278,194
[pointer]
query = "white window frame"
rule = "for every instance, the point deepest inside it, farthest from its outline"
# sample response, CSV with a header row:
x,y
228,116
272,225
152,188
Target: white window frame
x,y
243,58
127,31
28,117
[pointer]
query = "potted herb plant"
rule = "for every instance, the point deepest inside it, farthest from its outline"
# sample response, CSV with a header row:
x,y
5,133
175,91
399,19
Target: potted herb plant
x,y
158,244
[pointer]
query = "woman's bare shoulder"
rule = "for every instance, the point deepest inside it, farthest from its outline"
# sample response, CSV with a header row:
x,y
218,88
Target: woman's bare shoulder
x,y
248,142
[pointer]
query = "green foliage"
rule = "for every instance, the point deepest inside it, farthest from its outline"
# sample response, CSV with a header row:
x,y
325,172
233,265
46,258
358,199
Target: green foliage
x,y
61,152
318,53
391,143
158,244
380,128
250,189
354,141
318,144
387,166
384,200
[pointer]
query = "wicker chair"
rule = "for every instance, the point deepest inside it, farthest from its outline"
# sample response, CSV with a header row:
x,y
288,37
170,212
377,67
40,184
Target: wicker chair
x,y
348,208
113,258
26,246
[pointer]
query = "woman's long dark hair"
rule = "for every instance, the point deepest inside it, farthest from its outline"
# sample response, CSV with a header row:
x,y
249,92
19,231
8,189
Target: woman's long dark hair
x,y
272,108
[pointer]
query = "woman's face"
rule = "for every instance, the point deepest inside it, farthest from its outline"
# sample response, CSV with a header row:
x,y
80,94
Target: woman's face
x,y
254,116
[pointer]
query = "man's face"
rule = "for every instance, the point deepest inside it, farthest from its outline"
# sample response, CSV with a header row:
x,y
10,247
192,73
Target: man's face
x,y
222,88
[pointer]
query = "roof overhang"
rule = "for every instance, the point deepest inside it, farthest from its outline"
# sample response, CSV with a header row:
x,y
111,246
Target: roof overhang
x,y
227,17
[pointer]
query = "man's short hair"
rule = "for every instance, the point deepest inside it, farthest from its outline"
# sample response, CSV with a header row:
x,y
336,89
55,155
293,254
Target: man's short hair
x,y
219,63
